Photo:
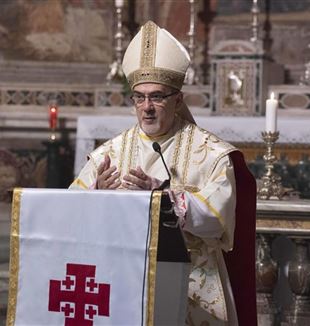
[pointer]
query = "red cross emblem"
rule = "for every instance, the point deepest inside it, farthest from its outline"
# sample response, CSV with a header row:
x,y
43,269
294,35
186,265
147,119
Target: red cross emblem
x,y
79,297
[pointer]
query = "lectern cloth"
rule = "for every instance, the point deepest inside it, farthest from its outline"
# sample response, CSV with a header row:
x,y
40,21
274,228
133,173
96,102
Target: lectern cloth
x,y
81,258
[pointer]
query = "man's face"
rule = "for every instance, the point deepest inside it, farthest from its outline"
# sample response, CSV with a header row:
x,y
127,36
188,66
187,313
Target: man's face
x,y
156,117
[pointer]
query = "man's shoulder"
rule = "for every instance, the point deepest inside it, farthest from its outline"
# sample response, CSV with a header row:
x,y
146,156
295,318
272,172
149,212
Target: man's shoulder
x,y
203,137
112,145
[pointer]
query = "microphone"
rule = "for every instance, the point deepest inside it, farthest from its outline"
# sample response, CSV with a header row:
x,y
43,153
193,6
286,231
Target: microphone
x,y
166,183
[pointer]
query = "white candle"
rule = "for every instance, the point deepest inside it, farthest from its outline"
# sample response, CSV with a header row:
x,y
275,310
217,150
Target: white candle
x,y
119,3
271,114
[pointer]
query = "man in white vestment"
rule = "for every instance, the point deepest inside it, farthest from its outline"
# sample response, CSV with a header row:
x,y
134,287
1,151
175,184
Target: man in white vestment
x,y
203,184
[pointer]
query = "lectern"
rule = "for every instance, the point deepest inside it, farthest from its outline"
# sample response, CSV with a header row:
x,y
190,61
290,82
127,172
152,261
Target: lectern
x,y
96,258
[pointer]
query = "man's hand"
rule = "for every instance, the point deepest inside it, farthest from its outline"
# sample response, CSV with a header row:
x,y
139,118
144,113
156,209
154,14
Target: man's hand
x,y
138,180
107,177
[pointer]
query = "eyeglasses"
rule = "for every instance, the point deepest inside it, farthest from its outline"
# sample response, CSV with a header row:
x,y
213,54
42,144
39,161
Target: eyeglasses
x,y
156,98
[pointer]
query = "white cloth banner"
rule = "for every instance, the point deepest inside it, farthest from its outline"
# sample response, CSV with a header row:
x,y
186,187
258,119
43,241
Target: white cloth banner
x,y
79,258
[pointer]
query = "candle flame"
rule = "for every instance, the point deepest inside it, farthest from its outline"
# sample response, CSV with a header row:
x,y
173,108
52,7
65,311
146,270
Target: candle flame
x,y
272,97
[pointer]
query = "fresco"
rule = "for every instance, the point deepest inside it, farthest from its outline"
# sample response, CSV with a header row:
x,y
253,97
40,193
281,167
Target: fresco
x,y
56,30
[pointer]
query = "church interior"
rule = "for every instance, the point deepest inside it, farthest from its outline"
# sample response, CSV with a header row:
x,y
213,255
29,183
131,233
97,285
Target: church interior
x,y
62,92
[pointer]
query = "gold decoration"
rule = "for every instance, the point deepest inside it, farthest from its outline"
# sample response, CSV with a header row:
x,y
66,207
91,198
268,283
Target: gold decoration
x,y
271,183
176,154
203,148
156,200
148,46
14,257
156,75
122,152
188,149
132,147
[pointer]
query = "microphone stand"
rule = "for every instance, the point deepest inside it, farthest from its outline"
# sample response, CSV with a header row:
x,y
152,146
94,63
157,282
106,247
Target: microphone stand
x,y
170,220
166,183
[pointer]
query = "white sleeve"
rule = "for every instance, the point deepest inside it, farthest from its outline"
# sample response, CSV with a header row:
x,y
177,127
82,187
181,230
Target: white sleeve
x,y
210,213
87,177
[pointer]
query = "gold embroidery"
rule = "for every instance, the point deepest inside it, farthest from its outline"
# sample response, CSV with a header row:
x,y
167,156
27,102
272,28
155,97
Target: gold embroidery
x,y
147,71
14,257
201,269
132,147
135,149
217,160
187,153
203,148
197,301
189,188
151,74
176,154
122,152
156,200
148,45
221,290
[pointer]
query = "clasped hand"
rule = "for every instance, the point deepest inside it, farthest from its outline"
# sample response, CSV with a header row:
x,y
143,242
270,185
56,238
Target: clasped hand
x,y
108,178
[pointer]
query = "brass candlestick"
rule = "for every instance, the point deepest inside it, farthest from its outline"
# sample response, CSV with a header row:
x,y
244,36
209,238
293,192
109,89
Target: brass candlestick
x,y
116,73
271,182
191,77
255,12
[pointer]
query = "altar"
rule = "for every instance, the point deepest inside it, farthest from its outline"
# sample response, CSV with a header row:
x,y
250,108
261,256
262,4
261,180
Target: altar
x,y
244,132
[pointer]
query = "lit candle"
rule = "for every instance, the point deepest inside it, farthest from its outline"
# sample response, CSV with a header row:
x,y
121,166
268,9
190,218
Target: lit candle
x,y
271,114
53,111
119,3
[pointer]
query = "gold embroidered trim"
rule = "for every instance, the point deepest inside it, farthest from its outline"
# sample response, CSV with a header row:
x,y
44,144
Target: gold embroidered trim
x,y
203,148
212,209
80,183
14,257
148,45
221,287
188,149
122,152
135,148
132,147
212,167
156,200
176,154
156,75
189,188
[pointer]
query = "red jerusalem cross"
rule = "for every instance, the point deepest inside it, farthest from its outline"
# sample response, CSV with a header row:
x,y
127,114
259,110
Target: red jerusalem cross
x,y
78,295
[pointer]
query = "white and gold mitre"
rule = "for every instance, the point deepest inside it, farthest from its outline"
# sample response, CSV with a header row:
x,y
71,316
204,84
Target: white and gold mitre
x,y
155,56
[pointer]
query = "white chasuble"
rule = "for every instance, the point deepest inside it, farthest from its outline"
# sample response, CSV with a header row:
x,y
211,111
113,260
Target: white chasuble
x,y
203,178
77,260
